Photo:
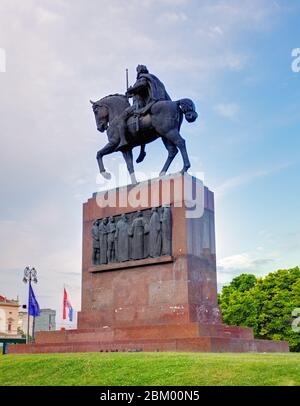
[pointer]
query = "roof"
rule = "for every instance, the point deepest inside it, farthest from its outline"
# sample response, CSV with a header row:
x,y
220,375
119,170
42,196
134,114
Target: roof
x,y
48,310
4,300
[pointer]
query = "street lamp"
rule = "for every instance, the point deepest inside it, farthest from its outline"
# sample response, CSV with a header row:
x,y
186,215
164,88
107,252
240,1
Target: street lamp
x,y
30,275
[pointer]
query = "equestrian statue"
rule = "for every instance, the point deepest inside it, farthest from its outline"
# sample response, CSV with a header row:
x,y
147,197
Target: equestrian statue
x,y
152,115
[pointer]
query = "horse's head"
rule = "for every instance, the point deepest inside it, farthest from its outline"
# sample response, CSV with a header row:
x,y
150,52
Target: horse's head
x,y
108,108
101,113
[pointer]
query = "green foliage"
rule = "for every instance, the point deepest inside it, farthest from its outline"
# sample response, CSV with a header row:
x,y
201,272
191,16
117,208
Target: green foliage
x,y
21,332
265,304
150,369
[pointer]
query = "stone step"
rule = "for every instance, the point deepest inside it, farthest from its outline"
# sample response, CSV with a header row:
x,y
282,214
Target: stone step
x,y
200,344
144,332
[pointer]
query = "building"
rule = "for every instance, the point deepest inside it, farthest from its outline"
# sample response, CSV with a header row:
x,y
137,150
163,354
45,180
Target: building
x,y
23,323
9,317
46,320
15,323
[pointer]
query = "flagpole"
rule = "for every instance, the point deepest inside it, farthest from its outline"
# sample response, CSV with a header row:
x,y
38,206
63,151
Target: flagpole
x,y
33,329
28,315
30,274
63,313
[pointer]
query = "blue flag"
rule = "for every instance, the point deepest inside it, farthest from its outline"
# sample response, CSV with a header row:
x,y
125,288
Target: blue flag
x,y
34,308
70,313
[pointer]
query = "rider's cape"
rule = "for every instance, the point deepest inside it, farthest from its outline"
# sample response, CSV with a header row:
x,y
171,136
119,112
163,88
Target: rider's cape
x,y
157,88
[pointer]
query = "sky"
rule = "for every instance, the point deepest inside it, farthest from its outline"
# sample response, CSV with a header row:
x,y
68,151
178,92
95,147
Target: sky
x,y
232,58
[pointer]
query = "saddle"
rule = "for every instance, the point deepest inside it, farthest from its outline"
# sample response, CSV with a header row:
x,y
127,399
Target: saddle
x,y
137,114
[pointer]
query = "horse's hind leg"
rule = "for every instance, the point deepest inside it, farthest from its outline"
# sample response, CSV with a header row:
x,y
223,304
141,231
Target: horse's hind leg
x,y
129,162
174,137
142,154
108,149
172,152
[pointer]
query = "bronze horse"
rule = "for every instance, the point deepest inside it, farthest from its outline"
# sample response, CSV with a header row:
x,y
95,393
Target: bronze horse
x,y
163,119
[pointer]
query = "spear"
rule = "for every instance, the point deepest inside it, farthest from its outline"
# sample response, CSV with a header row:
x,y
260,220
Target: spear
x,y
127,84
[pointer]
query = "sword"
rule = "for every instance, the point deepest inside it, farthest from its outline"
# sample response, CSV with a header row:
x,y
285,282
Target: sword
x,y
137,124
127,83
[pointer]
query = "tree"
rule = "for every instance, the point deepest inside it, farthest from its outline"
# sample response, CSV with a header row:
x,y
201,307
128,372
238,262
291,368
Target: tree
x,y
265,304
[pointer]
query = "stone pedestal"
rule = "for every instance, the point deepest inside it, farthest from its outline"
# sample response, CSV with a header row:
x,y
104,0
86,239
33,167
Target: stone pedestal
x,y
179,288
167,303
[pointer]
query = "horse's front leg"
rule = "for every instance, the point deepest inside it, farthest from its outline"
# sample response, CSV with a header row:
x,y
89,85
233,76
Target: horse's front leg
x,y
172,152
179,142
129,162
108,149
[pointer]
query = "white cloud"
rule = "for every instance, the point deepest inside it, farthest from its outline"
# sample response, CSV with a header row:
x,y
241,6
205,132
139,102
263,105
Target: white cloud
x,y
46,16
216,30
262,260
44,239
257,263
172,17
243,179
251,13
227,110
236,62
242,262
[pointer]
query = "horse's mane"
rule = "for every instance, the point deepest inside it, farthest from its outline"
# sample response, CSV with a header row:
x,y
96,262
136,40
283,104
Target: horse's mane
x,y
111,95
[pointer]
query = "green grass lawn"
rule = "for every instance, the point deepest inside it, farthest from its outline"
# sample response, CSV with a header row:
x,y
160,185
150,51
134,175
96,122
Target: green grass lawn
x,y
150,369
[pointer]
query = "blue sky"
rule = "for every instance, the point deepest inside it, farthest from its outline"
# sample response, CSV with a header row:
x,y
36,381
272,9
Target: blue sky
x,y
232,58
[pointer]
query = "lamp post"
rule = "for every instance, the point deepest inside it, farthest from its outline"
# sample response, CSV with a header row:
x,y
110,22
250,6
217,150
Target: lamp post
x,y
30,275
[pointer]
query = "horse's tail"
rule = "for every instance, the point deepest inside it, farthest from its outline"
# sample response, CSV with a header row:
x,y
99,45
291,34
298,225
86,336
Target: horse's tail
x,y
188,108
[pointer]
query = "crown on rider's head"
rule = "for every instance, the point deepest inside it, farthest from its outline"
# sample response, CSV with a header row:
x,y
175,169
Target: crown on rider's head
x,y
142,69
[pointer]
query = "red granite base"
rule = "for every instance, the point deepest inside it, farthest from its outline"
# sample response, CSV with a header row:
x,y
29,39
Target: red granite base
x,y
194,337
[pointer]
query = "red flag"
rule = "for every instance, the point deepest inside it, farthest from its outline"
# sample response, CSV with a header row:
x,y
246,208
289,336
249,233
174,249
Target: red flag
x,y
65,304
68,308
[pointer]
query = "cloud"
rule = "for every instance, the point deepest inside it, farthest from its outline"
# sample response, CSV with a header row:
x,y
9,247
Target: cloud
x,y
172,17
45,16
252,14
234,265
242,262
44,239
216,31
227,110
240,180
264,259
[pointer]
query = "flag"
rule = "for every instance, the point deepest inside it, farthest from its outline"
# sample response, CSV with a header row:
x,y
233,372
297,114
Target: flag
x,y
67,307
34,308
